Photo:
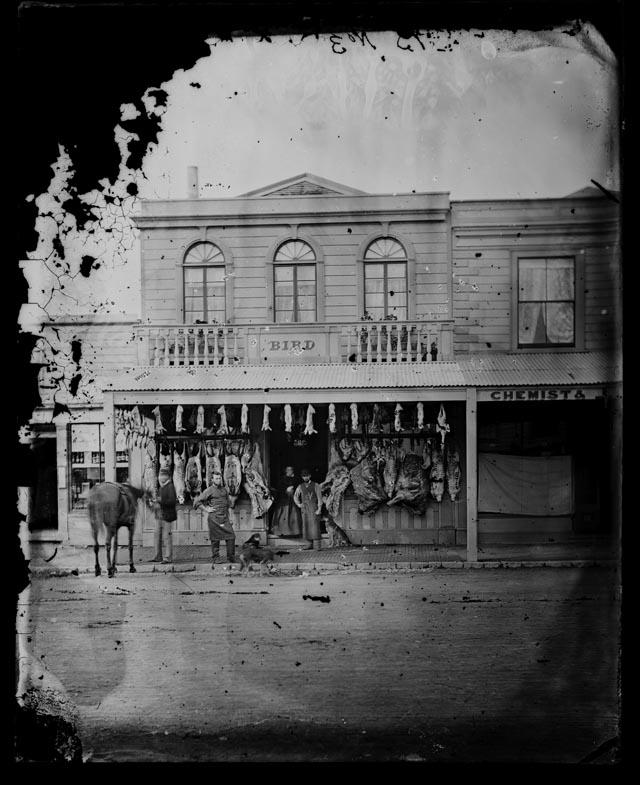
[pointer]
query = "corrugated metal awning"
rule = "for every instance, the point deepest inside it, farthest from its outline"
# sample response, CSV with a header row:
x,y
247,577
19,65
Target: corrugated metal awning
x,y
532,369
287,377
526,369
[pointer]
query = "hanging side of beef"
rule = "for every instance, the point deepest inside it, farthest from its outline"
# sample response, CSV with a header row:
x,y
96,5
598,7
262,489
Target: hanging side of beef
x,y
254,482
452,467
335,483
367,485
232,472
390,470
437,474
412,487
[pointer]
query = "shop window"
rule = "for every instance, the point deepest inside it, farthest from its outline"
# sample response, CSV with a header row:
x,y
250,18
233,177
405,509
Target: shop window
x,y
294,282
385,280
204,285
546,302
86,462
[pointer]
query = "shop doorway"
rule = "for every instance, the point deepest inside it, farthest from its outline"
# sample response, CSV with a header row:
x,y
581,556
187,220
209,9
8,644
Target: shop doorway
x,y
298,449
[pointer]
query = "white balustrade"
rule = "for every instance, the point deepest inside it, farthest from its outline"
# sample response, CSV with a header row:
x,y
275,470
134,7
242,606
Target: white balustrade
x,y
362,342
171,345
397,342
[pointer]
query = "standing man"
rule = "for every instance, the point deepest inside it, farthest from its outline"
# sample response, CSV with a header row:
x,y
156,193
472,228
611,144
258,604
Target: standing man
x,y
216,502
308,498
165,514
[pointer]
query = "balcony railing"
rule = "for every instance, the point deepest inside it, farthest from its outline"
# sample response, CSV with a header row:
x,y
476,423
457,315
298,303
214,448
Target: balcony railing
x,y
256,344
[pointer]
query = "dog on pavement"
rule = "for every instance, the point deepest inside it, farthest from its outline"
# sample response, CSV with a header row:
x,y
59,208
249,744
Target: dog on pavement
x,y
338,538
254,553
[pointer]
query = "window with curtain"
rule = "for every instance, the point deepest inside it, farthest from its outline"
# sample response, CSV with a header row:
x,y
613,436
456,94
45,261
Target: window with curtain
x,y
546,301
204,285
385,280
294,282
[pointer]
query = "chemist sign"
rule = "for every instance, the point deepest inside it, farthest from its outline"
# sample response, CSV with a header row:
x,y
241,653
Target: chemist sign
x,y
540,394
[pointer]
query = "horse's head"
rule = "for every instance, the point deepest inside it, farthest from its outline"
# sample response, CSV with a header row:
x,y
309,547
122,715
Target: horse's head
x,y
136,492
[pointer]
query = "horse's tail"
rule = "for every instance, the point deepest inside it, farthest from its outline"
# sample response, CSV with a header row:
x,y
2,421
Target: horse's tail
x,y
94,518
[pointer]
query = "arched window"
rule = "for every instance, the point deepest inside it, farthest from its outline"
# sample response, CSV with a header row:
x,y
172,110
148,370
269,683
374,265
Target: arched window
x,y
204,284
385,280
294,282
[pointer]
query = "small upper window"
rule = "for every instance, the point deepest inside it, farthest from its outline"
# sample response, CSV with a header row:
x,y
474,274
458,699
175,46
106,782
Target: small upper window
x,y
204,284
294,282
546,302
385,280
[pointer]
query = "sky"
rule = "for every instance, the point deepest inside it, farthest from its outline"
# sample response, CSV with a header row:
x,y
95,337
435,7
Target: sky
x,y
481,115
499,116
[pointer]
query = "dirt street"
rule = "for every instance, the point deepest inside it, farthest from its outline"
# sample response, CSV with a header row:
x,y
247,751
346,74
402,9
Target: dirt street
x,y
435,665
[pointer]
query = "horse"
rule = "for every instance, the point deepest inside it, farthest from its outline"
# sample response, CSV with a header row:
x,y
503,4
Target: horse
x,y
113,504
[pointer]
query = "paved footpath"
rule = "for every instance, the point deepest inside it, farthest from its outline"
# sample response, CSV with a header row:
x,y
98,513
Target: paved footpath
x,y
338,665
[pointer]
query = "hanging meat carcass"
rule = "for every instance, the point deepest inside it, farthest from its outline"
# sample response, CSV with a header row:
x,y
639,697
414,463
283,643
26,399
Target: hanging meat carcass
x,y
437,474
308,428
288,419
335,483
442,426
397,422
426,455
420,415
265,418
360,449
232,472
150,475
223,428
452,469
376,419
354,416
178,474
412,485
165,459
255,485
179,413
210,464
390,470
367,485
159,426
193,474
244,419
331,420
345,448
200,420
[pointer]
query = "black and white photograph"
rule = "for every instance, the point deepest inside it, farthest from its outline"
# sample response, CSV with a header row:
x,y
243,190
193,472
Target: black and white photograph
x,y
319,409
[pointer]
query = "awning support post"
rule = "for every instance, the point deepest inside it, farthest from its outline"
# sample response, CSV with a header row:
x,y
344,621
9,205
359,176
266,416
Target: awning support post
x,y
109,438
472,474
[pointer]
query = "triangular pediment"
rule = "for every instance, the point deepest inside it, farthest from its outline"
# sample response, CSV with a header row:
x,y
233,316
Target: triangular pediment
x,y
305,185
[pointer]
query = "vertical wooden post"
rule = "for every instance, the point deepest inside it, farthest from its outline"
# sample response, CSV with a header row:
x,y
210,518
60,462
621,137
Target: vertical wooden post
x,y
472,474
64,480
109,438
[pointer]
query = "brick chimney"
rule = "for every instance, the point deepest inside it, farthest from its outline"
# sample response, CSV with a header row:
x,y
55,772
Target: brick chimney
x,y
192,182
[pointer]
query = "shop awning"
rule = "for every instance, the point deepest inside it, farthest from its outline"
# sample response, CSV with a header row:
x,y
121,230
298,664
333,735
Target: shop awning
x,y
286,377
531,369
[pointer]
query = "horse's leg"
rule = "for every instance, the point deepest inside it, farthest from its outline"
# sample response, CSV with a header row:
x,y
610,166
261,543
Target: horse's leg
x,y
114,563
107,546
96,550
131,567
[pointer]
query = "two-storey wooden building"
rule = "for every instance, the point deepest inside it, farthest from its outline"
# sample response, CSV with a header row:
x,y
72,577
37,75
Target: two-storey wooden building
x,y
322,323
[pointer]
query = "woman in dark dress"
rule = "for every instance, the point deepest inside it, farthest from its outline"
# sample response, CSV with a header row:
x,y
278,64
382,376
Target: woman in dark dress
x,y
286,520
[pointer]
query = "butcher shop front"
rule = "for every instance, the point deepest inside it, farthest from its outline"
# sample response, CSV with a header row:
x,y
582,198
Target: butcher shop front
x,y
390,455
